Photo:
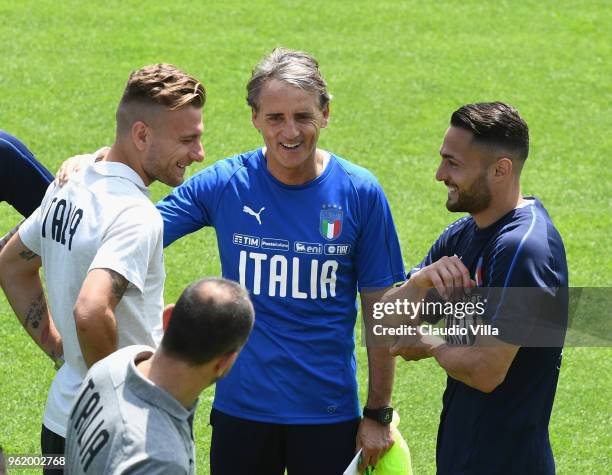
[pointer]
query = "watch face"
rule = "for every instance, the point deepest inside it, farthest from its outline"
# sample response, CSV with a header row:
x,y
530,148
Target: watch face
x,y
383,415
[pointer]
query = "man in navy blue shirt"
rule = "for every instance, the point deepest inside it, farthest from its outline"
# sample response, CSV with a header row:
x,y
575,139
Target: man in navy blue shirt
x,y
23,180
501,379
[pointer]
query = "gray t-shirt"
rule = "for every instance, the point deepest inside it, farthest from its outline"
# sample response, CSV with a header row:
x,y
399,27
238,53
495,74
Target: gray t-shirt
x,y
121,423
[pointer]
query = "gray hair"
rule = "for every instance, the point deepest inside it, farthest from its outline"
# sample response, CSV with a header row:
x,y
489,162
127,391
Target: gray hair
x,y
293,67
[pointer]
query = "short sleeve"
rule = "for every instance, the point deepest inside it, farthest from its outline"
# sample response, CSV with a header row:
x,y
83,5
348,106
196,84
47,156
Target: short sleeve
x,y
190,206
30,230
378,257
524,299
443,246
129,243
26,178
434,254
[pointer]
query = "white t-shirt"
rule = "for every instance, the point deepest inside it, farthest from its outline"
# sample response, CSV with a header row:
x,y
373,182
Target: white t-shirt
x,y
102,218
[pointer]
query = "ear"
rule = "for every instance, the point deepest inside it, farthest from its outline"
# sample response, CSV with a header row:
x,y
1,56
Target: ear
x,y
503,168
325,116
224,364
141,135
254,118
167,313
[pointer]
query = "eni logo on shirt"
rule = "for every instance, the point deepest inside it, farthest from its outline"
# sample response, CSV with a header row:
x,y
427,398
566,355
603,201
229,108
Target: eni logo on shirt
x,y
64,219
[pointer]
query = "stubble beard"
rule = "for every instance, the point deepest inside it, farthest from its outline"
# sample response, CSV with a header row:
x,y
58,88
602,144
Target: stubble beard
x,y
475,199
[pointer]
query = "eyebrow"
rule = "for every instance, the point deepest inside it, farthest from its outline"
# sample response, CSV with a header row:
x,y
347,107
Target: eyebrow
x,y
190,136
273,115
448,156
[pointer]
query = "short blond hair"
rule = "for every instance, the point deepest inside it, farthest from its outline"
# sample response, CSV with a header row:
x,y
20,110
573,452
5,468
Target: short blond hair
x,y
162,85
166,85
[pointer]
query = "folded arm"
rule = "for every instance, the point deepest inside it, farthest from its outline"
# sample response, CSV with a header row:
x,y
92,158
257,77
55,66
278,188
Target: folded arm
x,y
482,366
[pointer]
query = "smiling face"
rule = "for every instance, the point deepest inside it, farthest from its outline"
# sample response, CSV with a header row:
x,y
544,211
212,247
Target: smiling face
x,y
290,119
175,144
465,171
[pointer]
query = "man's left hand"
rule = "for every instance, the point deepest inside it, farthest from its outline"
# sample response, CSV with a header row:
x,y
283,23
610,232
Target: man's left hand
x,y
375,440
417,347
410,353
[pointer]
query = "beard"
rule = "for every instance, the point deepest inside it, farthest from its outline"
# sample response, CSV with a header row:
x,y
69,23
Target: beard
x,y
472,200
157,168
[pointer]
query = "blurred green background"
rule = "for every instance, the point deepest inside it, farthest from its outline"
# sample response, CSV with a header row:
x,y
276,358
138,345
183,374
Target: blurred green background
x,y
397,70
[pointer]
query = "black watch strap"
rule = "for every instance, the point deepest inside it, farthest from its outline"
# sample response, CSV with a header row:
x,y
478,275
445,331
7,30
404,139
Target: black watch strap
x,y
383,415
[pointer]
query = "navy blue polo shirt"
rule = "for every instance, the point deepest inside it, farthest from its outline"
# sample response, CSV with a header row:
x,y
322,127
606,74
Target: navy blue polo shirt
x,y
506,431
23,180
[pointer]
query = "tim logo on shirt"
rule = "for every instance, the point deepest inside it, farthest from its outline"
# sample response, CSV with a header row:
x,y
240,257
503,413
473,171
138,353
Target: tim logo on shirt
x,y
330,222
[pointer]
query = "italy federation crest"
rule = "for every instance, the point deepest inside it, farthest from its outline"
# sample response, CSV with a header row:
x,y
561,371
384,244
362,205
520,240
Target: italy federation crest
x,y
478,273
330,222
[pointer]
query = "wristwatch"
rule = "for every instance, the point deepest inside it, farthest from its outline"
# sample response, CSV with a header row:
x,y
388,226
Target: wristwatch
x,y
383,415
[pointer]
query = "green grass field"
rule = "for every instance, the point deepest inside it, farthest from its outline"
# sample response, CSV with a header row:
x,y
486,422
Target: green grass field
x,y
396,70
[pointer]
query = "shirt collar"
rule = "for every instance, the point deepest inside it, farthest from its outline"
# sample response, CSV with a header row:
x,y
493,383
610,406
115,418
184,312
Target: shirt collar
x,y
120,170
156,396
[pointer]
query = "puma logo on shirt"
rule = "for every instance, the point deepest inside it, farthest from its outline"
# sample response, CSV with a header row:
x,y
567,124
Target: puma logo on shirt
x,y
248,210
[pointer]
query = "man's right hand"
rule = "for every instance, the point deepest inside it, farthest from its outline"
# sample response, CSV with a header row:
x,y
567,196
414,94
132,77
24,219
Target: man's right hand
x,y
75,164
448,276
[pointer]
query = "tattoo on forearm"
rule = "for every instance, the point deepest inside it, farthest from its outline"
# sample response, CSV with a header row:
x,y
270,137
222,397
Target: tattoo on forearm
x,y
35,312
28,255
119,284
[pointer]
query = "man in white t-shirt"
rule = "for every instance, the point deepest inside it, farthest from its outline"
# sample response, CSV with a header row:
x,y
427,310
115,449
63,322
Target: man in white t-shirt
x,y
99,240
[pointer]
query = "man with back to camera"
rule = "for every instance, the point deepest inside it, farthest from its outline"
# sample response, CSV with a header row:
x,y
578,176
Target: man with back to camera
x,y
302,229
500,389
23,180
135,410
99,239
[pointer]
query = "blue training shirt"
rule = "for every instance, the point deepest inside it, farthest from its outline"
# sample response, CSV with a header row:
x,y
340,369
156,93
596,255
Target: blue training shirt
x,y
506,431
302,252
23,180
